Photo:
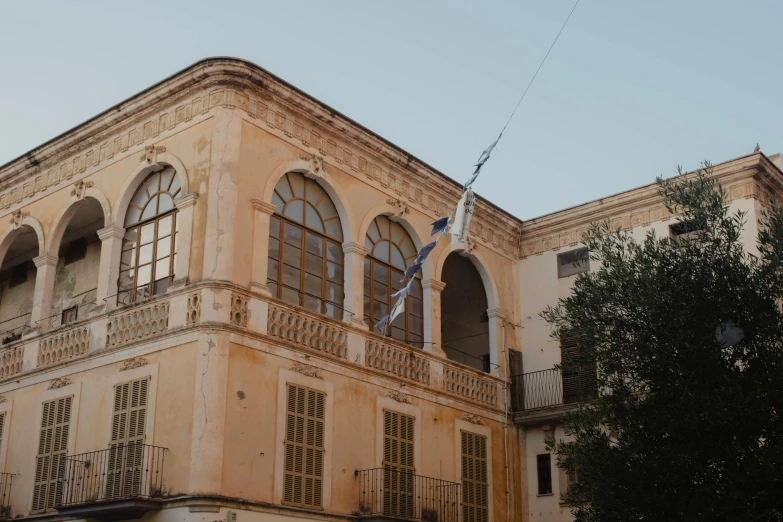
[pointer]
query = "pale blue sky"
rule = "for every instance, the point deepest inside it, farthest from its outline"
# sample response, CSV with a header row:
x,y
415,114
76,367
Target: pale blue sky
x,y
631,89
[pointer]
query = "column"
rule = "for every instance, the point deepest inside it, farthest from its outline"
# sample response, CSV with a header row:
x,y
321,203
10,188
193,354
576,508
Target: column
x,y
260,263
496,318
220,237
109,267
184,206
354,284
432,337
46,267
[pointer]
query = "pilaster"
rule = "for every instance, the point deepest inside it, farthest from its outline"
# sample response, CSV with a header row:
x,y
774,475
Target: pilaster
x,y
354,284
260,263
496,318
46,267
184,206
432,315
109,266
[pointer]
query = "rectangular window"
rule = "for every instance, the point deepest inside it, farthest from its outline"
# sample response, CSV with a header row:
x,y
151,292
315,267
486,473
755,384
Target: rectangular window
x,y
2,425
304,447
475,504
572,263
126,449
544,465
398,463
69,315
578,374
52,447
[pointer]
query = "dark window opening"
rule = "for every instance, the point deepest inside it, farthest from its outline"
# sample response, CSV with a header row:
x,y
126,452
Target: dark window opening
x,y
544,465
578,370
76,250
18,275
684,230
572,263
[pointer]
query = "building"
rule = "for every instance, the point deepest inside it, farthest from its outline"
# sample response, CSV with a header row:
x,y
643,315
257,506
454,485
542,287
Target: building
x,y
186,284
187,280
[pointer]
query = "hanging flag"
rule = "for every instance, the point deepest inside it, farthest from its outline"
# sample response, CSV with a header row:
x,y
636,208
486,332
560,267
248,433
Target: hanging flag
x,y
482,160
440,225
425,251
411,270
397,310
463,216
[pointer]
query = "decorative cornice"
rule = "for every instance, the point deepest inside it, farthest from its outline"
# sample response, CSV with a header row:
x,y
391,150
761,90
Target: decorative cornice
x,y
45,260
263,206
473,419
111,231
306,369
496,313
435,284
59,382
188,200
355,248
399,396
133,362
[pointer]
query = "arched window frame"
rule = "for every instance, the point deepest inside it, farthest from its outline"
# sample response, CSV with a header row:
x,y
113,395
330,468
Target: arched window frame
x,y
383,276
306,262
150,235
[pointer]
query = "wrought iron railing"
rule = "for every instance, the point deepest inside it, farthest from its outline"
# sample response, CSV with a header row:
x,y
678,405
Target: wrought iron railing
x,y
6,481
552,387
401,494
123,471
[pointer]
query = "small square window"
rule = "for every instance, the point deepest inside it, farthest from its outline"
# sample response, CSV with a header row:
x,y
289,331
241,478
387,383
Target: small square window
x,y
572,263
544,465
684,230
69,315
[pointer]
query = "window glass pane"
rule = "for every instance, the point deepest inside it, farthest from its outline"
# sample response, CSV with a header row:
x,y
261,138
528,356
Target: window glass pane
x,y
396,280
314,264
176,242
145,254
380,291
164,226
161,285
326,208
132,216
381,273
334,252
381,251
278,203
162,267
416,340
127,259
312,219
333,311
334,273
334,293
396,258
153,183
289,296
274,248
312,284
292,256
123,298
397,233
416,288
129,241
126,279
294,211
311,303
407,248
293,235
165,203
144,275
291,277
366,267
372,232
397,332
164,247
314,244
140,198
415,306
150,210
274,227
147,233
313,191
297,183
415,324
333,228
273,288
271,270
284,189
379,310
166,176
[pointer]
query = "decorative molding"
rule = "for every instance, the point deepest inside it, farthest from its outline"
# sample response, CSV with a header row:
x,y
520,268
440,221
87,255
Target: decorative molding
x,y
435,284
136,323
317,165
306,369
80,187
194,308
64,344
133,363
355,248
45,260
188,200
17,217
263,206
59,382
399,396
473,419
400,208
494,313
150,154
470,245
307,330
239,310
111,232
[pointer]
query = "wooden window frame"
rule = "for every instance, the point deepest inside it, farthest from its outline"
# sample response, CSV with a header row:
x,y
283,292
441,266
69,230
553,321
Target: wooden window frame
x,y
126,449
56,463
66,317
133,291
311,452
475,505
399,488
544,474
573,262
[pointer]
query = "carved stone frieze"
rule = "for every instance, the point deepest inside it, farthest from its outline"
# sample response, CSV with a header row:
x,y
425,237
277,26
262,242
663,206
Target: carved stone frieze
x,y
59,382
80,187
473,419
17,217
306,369
399,207
399,396
133,362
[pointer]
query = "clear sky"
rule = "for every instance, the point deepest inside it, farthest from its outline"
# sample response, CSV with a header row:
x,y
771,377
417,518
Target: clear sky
x,y
631,90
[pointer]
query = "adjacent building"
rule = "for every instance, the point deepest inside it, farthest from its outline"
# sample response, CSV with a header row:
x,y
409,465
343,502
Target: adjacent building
x,y
187,284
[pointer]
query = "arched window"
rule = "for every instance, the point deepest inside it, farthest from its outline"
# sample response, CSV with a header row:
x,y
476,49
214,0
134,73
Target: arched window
x,y
150,245
305,247
391,251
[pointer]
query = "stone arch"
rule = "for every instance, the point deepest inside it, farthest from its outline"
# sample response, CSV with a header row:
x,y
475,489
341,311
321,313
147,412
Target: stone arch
x,y
157,161
65,215
383,210
478,261
14,230
324,179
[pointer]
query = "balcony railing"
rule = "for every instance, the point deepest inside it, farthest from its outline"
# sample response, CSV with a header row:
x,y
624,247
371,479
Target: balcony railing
x,y
552,387
386,492
131,471
6,480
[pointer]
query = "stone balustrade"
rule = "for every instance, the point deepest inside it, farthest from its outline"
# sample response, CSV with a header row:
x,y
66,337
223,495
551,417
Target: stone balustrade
x,y
137,323
63,344
470,384
296,326
11,360
400,360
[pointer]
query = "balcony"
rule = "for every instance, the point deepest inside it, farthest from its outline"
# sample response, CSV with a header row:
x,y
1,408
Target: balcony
x,y
386,494
548,395
6,481
119,483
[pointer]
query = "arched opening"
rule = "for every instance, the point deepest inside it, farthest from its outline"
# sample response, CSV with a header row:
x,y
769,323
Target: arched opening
x,y
391,250
464,320
76,277
149,249
17,284
306,265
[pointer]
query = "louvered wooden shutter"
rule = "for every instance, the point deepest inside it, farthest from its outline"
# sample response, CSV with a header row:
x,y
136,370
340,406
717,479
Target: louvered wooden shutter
x,y
398,464
52,446
579,377
304,447
2,425
126,449
475,501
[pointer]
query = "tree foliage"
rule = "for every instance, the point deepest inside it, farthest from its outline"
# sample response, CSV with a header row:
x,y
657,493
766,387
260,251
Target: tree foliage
x,y
687,336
